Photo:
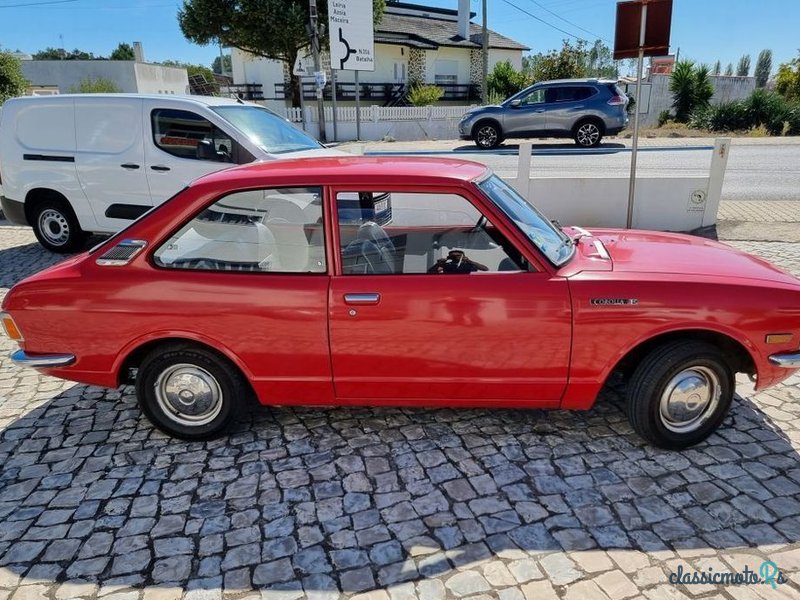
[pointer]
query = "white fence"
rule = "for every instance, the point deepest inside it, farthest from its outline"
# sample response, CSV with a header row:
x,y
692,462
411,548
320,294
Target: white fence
x,y
379,122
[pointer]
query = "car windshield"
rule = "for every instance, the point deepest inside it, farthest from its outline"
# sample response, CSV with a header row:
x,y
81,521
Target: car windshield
x,y
266,129
547,237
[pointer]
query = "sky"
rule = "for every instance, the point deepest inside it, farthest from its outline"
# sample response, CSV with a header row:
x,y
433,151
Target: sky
x,y
704,30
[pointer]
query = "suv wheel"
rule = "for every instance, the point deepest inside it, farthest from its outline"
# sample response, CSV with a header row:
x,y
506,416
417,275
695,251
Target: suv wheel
x,y
487,136
588,134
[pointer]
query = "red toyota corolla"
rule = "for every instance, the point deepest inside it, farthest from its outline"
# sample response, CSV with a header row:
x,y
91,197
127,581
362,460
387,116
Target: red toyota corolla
x,y
408,281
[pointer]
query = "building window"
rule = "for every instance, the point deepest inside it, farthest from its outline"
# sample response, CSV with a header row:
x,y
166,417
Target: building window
x,y
445,72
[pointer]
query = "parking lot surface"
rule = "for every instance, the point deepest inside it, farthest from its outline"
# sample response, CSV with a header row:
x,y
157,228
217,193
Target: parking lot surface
x,y
381,502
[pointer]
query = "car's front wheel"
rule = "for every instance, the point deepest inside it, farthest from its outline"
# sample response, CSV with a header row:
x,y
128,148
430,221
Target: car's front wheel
x,y
588,134
487,135
680,393
189,392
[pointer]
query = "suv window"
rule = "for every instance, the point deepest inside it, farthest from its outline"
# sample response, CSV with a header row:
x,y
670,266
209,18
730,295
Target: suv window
x,y
276,230
568,93
535,97
416,233
179,132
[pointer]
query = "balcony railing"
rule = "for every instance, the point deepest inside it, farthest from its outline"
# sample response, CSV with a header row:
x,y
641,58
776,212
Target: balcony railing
x,y
245,91
379,92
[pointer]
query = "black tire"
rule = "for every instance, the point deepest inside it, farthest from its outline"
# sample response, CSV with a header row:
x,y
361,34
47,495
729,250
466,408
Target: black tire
x,y
487,135
56,227
588,133
685,362
185,365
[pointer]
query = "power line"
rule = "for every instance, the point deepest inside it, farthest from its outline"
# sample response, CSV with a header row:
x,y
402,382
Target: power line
x,y
533,16
46,2
544,8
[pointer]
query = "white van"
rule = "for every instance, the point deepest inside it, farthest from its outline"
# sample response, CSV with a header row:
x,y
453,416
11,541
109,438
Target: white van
x,y
71,165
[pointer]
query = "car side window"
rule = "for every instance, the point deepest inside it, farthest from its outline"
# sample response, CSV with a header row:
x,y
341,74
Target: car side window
x,y
277,230
535,97
582,93
185,134
382,233
561,94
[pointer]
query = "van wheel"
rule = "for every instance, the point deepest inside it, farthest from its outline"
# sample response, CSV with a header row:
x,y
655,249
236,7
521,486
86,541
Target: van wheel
x,y
680,393
189,392
588,134
57,228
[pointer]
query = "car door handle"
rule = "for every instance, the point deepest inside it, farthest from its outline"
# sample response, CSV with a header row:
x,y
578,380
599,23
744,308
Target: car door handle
x,y
362,299
159,168
129,166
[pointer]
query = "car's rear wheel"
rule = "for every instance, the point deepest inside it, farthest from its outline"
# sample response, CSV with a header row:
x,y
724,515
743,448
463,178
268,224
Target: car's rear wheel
x,y
680,393
588,134
487,135
189,392
56,227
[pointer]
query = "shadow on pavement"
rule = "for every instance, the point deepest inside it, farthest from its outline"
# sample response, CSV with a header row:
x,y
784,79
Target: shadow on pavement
x,y
567,148
355,499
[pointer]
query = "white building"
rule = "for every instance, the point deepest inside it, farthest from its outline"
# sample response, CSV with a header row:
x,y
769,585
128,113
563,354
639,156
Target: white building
x,y
413,44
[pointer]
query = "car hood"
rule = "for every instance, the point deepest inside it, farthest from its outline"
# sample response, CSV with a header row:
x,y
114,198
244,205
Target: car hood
x,y
633,251
484,109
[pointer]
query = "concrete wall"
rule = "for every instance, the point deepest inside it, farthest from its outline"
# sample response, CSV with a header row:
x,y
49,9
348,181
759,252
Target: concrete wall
x,y
68,73
155,79
656,96
129,76
497,55
252,69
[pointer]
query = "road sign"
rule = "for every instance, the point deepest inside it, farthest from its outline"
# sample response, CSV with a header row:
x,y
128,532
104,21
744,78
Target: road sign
x,y
656,32
320,78
352,35
303,66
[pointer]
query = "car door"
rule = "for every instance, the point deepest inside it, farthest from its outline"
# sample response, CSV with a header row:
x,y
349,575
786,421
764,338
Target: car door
x,y
435,303
110,159
173,153
565,105
528,117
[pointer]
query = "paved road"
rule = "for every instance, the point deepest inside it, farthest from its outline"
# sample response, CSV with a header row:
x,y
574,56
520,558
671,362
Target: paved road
x,y
756,172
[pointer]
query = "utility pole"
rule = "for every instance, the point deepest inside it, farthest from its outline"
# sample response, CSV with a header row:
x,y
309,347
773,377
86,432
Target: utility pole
x,y
314,33
485,42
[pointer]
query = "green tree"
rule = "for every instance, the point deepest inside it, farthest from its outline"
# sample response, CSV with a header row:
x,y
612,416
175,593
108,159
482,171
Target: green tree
x,y
763,68
12,83
504,81
61,54
599,62
743,68
123,52
215,66
101,85
691,89
567,63
273,29
787,81
717,68
729,70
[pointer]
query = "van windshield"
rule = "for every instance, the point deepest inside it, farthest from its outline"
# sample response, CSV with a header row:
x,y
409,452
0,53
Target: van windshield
x,y
266,129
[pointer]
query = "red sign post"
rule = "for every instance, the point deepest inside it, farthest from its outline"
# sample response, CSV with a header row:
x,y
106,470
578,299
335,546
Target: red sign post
x,y
642,29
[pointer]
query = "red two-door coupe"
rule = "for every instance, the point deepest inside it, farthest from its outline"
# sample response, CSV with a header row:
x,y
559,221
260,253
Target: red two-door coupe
x,y
408,281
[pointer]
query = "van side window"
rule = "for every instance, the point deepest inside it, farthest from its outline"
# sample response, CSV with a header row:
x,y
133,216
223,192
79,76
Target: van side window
x,y
188,135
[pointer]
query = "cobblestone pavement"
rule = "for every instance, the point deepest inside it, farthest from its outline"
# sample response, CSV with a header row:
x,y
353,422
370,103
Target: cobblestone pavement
x,y
388,503
779,211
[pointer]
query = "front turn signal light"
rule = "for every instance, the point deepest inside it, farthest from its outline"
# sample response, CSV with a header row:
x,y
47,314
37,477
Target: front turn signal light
x,y
10,327
778,338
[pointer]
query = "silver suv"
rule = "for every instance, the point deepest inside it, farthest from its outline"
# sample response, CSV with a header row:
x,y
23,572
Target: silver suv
x,y
583,109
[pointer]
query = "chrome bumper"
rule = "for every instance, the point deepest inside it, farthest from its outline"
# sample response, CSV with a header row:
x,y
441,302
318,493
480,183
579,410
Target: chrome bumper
x,y
787,360
42,360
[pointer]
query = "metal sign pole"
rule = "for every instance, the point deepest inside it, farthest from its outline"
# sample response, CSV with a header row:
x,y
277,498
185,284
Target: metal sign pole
x,y
636,107
358,108
302,102
333,97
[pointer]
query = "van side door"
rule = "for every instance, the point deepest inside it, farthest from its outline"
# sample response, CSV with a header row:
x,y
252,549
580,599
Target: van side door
x,y
109,159
182,144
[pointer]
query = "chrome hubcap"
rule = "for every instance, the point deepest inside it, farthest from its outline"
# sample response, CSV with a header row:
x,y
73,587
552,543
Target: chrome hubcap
x,y
588,134
487,136
54,227
188,394
689,398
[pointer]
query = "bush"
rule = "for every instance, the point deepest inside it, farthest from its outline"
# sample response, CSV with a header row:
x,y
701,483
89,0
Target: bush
x,y
691,89
729,116
94,86
424,95
766,107
663,117
504,80
495,98
793,119
12,83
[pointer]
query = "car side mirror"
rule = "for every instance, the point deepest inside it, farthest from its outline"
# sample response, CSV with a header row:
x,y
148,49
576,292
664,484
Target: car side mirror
x,y
516,103
206,151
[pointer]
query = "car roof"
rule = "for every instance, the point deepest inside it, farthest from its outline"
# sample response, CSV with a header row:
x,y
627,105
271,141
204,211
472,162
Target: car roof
x,y
333,170
201,100
566,81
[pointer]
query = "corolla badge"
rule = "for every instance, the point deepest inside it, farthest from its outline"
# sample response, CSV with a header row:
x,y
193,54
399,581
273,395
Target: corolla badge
x,y
614,301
